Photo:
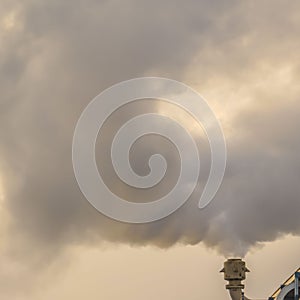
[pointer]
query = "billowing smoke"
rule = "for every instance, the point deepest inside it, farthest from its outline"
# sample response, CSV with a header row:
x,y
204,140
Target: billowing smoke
x,y
56,56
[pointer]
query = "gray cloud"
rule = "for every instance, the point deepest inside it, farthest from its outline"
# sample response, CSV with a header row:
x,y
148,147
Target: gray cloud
x,y
59,55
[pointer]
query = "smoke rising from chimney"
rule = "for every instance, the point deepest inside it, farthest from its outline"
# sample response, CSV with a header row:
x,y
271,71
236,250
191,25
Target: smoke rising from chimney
x,y
46,86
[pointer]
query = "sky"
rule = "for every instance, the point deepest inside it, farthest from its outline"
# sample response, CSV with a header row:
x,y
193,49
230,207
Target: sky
x,y
243,57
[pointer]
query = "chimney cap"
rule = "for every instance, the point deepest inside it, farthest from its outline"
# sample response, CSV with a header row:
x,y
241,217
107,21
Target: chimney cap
x,y
234,269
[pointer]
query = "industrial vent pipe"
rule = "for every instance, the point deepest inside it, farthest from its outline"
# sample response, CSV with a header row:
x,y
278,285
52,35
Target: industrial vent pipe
x,y
235,272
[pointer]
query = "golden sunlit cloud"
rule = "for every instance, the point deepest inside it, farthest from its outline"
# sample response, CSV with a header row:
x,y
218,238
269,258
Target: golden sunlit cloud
x,y
9,22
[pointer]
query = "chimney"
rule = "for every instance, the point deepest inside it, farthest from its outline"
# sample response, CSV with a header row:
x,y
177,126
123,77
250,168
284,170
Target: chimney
x,y
235,272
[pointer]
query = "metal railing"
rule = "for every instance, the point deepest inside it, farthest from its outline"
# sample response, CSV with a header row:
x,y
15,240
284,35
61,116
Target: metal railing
x,y
294,278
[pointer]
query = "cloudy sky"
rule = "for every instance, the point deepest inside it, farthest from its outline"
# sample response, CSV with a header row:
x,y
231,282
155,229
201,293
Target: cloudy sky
x,y
55,56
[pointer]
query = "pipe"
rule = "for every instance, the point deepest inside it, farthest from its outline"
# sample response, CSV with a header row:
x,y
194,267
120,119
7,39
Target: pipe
x,y
237,295
235,272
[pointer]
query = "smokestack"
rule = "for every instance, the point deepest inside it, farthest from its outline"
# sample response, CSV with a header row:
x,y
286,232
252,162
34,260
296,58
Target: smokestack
x,y
235,272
